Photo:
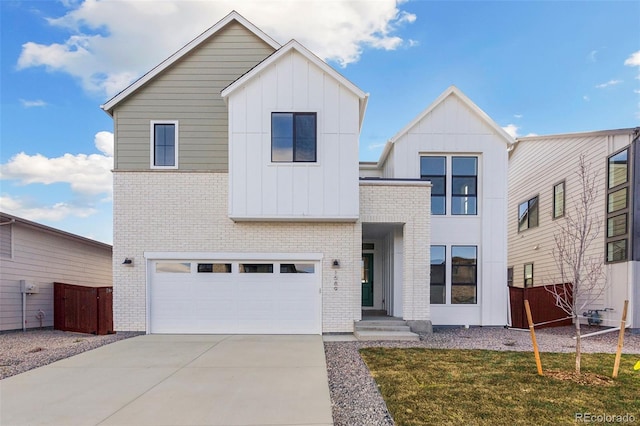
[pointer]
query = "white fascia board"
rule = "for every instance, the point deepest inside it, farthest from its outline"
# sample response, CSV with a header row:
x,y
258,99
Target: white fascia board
x,y
453,90
385,153
293,44
233,16
180,255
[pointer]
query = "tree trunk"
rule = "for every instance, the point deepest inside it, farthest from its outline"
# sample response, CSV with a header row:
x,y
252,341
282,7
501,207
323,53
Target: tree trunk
x,y
578,348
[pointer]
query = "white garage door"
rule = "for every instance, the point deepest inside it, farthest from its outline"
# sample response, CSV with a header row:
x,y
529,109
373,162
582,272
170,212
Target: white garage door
x,y
258,297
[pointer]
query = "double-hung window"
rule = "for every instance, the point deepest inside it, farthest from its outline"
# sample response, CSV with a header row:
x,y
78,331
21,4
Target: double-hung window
x,y
617,241
293,137
528,214
164,144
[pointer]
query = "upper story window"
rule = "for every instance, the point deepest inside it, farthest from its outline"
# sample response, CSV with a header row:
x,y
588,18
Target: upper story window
x,y
617,241
558,200
461,173
435,170
164,144
293,137
6,237
528,214
464,185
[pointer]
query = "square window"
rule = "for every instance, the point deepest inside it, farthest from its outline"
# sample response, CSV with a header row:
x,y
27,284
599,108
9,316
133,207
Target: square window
x,y
293,137
617,200
617,226
617,251
164,144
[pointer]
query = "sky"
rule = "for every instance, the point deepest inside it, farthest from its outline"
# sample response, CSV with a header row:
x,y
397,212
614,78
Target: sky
x,y
535,67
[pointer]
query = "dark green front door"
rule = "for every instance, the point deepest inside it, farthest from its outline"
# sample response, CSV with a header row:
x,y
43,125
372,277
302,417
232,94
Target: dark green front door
x,y
367,279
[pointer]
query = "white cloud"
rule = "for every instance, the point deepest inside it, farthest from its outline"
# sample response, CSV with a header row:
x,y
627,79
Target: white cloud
x,y
56,212
633,60
608,83
512,130
87,174
586,98
31,104
518,115
107,52
592,56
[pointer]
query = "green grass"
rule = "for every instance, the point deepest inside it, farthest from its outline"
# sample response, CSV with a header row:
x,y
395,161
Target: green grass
x,y
478,387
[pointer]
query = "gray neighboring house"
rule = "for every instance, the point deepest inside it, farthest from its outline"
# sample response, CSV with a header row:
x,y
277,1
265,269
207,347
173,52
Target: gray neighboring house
x,y
41,255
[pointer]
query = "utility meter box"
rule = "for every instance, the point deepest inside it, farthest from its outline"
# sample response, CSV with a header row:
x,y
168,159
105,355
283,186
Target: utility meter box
x,y
28,287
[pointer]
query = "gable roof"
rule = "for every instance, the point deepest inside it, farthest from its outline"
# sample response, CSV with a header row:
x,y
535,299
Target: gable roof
x,y
291,46
233,16
451,91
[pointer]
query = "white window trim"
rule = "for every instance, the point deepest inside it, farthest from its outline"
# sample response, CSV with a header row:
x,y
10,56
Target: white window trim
x,y
152,124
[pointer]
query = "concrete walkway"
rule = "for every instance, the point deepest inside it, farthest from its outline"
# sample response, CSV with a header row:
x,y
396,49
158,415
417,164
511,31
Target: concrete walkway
x,y
177,380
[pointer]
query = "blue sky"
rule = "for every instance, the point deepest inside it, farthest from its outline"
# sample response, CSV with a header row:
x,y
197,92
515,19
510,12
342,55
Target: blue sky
x,y
535,67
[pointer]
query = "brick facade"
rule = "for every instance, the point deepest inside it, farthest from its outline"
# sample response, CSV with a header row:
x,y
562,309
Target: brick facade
x,y
187,212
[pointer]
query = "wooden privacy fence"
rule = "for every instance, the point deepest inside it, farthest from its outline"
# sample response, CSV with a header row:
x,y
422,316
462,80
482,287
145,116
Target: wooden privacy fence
x,y
83,309
543,307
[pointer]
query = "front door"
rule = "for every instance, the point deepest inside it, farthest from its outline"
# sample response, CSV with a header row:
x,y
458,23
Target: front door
x,y
367,279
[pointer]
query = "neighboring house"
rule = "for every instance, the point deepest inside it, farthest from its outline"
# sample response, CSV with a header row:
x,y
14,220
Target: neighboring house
x,y
542,188
237,199
457,147
40,256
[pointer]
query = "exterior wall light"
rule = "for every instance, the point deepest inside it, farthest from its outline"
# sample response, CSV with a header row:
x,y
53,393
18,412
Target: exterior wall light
x,y
336,263
127,262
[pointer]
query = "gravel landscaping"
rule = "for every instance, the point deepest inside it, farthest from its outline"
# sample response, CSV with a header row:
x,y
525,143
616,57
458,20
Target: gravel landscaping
x,y
21,351
355,396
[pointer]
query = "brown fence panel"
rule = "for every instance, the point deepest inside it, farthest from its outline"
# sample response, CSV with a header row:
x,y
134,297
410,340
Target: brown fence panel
x,y
542,304
83,309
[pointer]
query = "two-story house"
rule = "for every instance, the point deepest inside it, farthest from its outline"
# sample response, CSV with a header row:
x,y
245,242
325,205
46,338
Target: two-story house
x,y
543,190
238,206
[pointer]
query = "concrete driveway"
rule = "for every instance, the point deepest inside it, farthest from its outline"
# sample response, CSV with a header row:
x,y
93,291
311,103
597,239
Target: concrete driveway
x,y
177,380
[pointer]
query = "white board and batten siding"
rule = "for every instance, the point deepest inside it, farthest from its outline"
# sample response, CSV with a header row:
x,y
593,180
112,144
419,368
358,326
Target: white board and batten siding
x,y
43,256
454,126
323,190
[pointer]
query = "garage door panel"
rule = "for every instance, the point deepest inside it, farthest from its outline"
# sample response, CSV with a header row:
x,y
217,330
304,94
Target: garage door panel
x,y
223,302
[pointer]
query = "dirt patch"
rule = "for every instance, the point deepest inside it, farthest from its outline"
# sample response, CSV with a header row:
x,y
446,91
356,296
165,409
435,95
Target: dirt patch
x,y
589,379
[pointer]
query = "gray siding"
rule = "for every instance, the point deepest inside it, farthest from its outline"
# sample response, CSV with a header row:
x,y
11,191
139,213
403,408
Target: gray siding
x,y
189,91
43,258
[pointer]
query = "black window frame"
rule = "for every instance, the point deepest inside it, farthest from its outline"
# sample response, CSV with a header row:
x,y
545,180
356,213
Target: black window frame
x,y
524,275
430,177
616,246
472,267
294,139
564,200
443,267
455,176
533,201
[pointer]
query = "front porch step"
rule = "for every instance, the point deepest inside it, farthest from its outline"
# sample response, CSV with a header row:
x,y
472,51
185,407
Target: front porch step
x,y
389,329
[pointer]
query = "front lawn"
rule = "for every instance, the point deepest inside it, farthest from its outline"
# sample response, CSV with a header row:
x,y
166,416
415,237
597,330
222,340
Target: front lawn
x,y
479,387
